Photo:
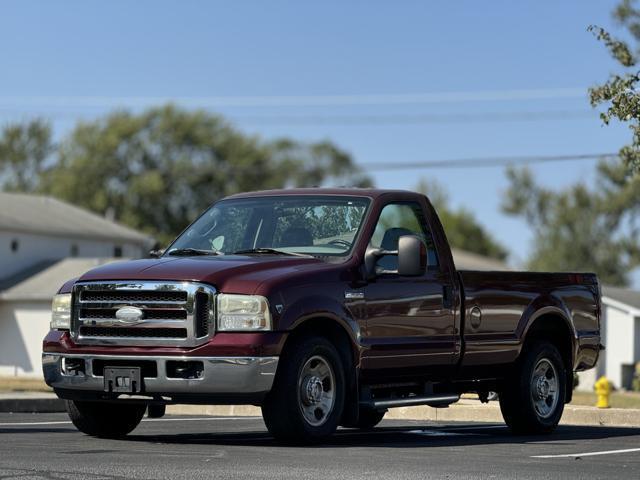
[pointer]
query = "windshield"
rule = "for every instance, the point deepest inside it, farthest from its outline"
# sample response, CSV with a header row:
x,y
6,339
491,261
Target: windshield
x,y
312,225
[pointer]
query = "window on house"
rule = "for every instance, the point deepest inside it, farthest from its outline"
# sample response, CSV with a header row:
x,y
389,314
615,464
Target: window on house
x,y
74,250
117,251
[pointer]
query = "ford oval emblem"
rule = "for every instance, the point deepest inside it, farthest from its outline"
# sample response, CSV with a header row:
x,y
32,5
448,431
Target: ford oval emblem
x,y
129,314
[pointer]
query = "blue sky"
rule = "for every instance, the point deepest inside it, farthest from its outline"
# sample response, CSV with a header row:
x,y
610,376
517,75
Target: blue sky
x,y
75,60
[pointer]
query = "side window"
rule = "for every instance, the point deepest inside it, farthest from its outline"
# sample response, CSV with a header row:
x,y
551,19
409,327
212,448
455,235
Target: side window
x,y
396,220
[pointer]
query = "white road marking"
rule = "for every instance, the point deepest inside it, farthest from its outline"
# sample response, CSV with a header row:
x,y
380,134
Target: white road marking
x,y
437,433
145,420
477,427
588,454
17,424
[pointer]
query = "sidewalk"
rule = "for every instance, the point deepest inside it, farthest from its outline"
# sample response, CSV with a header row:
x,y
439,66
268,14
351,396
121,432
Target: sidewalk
x,y
464,411
30,402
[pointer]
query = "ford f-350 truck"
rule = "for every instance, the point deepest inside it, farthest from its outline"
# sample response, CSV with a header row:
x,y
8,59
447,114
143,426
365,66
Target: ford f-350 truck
x,y
325,307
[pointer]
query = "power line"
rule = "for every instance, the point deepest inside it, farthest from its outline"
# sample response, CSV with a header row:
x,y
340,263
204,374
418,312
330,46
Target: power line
x,y
483,162
410,119
365,120
296,100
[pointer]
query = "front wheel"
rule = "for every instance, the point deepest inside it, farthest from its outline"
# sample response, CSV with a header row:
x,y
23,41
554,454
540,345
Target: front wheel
x,y
533,400
105,420
307,398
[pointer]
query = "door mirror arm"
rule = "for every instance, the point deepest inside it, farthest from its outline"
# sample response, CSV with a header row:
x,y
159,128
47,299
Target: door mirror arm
x,y
371,257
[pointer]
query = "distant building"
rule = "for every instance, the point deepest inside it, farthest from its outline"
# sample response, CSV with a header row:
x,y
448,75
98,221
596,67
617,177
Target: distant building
x,y
37,230
472,261
43,243
620,327
25,312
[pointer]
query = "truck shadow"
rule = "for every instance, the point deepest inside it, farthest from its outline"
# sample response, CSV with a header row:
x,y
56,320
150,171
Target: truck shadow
x,y
408,435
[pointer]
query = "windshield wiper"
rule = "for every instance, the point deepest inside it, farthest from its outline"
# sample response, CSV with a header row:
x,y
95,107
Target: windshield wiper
x,y
187,252
272,251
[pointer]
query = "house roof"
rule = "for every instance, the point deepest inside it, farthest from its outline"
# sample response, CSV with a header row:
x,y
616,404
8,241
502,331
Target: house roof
x,y
47,215
622,296
45,284
465,260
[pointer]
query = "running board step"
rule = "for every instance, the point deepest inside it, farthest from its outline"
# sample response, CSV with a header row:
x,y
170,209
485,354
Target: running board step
x,y
431,400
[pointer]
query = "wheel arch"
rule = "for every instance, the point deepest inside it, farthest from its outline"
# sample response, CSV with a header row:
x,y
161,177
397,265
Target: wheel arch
x,y
552,325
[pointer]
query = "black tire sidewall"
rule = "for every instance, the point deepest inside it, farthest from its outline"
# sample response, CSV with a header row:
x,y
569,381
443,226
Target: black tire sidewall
x,y
281,409
105,420
516,401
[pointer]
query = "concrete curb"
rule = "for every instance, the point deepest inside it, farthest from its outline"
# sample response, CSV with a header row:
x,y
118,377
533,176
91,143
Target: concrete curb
x,y
30,402
465,411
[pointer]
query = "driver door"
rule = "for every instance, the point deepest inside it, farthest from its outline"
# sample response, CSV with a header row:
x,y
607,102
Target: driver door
x,y
409,320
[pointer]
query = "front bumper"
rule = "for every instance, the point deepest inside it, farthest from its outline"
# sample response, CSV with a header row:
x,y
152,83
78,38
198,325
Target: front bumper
x,y
221,377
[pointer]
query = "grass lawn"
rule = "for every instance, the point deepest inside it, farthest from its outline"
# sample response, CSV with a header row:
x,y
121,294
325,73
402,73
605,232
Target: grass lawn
x,y
13,384
618,399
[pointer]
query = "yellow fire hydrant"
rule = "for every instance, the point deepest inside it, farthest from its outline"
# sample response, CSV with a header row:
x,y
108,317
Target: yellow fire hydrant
x,y
603,391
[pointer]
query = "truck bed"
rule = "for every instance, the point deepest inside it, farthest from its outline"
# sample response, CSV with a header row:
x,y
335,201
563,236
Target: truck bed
x,y
499,307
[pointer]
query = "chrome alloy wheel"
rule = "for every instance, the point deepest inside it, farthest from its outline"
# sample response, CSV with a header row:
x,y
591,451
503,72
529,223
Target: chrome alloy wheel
x,y
544,388
316,390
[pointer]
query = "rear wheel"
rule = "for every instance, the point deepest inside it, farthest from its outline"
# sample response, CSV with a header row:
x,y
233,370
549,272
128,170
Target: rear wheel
x,y
533,400
307,398
105,420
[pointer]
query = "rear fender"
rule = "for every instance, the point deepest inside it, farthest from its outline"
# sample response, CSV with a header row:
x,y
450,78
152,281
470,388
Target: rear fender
x,y
546,305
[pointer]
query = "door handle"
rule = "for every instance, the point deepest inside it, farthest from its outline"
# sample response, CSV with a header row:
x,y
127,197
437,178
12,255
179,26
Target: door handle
x,y
447,296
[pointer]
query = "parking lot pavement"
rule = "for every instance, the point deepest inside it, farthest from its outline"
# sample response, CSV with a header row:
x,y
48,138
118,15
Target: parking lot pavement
x,y
48,446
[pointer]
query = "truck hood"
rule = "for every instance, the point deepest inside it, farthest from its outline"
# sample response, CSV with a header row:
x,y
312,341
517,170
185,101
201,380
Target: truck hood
x,y
228,273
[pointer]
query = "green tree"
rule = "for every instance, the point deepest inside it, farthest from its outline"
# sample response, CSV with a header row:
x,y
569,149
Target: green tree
x,y
462,229
581,228
157,170
620,94
24,150
593,229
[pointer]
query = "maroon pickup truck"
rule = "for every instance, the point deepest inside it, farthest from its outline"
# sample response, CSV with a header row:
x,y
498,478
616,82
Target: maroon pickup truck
x,y
325,307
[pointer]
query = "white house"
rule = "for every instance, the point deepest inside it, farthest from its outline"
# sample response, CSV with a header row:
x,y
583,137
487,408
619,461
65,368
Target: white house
x,y
620,329
43,243
37,230
25,311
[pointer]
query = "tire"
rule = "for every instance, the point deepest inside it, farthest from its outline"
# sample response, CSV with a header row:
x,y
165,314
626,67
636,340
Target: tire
x,y
156,411
307,398
104,420
533,400
368,418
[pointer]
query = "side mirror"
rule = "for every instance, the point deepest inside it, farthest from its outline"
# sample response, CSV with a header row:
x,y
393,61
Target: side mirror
x,y
412,256
156,253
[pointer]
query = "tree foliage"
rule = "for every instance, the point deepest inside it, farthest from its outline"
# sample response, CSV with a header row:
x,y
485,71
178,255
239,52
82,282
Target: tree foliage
x,y
24,150
157,170
462,228
619,94
581,228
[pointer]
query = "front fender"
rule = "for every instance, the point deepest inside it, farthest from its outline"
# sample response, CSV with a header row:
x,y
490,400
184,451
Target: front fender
x,y
319,306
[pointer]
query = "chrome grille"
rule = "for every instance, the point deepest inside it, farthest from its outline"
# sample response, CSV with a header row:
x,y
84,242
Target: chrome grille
x,y
170,313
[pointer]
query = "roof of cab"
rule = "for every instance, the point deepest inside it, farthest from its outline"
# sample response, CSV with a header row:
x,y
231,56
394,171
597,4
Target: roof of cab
x,y
351,191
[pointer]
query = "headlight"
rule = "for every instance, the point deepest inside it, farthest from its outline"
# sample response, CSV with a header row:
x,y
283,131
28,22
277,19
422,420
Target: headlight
x,y
61,312
243,313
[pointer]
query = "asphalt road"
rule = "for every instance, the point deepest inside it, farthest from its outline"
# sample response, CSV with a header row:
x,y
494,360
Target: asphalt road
x,y
46,446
